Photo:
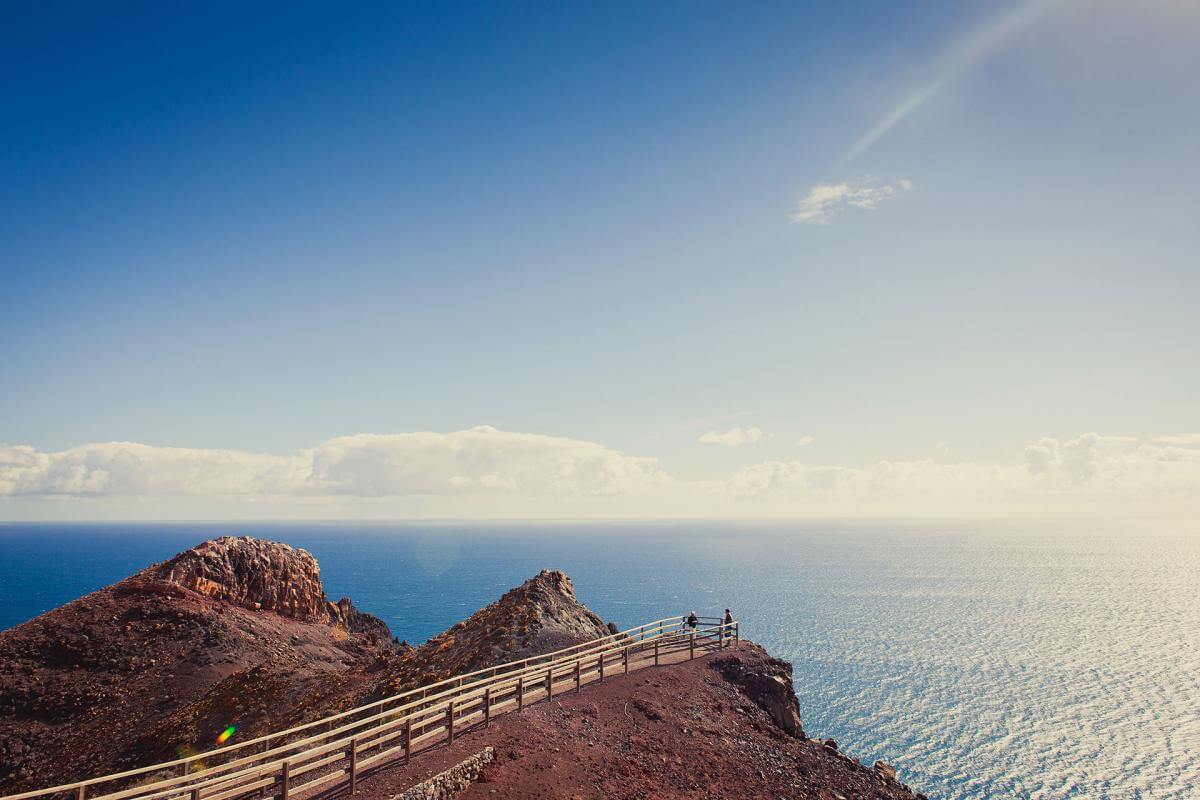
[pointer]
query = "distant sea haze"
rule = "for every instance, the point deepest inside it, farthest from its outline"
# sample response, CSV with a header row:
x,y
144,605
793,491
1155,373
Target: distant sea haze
x,y
984,661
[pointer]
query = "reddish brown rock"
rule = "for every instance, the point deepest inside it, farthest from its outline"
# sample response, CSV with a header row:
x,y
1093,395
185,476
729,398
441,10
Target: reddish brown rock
x,y
539,616
769,684
251,573
233,631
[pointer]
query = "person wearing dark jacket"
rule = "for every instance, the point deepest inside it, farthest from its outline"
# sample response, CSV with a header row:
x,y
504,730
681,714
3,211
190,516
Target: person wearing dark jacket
x,y
692,620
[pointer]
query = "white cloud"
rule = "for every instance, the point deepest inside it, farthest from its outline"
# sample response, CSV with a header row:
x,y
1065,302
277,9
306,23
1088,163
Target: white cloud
x,y
129,468
804,441
481,459
485,472
475,460
734,437
826,200
1182,439
1087,475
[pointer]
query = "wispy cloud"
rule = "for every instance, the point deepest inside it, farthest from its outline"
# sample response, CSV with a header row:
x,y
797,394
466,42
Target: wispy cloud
x,y
964,54
826,200
804,441
734,437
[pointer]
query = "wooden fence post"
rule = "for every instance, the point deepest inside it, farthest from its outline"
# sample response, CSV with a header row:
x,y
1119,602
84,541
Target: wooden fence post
x,y
450,720
549,683
656,652
625,658
602,667
407,740
487,707
577,677
80,790
521,693
196,794
284,782
737,634
692,645
353,767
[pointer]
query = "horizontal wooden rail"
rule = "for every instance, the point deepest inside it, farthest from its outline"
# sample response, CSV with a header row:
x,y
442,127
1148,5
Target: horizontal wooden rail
x,y
365,736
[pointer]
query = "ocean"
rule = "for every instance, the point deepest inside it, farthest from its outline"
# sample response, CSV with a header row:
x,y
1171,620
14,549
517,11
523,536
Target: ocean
x,y
983,660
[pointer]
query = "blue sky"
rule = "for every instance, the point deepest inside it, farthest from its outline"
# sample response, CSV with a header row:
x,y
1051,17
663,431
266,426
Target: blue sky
x,y
937,235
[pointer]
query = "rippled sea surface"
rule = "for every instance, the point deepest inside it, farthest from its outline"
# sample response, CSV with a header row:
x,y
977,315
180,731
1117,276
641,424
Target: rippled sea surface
x,y
984,661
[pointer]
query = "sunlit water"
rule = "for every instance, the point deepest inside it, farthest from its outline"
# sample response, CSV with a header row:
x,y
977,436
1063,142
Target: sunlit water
x,y
985,662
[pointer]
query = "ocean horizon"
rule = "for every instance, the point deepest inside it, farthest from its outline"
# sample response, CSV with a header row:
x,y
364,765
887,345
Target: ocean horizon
x,y
984,660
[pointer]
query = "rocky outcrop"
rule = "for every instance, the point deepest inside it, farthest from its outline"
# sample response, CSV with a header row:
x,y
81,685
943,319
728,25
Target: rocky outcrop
x,y
539,616
253,574
536,617
769,684
344,613
451,782
232,629
258,575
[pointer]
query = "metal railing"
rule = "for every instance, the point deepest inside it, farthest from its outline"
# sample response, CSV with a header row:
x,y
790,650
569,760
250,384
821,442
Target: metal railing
x,y
395,727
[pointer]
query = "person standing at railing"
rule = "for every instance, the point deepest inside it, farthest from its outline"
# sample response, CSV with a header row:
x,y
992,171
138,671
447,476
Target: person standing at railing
x,y
727,631
693,620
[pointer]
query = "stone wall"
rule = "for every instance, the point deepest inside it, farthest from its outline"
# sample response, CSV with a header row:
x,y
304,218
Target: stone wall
x,y
445,785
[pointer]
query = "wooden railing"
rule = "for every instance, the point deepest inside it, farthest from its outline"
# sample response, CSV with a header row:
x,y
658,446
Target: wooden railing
x,y
338,749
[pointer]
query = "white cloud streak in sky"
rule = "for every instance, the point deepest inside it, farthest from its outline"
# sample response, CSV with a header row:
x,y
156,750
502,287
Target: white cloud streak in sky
x,y
542,475
734,437
826,200
956,60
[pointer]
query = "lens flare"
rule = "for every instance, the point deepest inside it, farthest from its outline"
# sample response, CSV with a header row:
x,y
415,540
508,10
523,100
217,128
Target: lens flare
x,y
227,734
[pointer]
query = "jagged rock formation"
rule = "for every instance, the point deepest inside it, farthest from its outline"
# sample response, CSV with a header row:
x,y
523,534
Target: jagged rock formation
x,y
235,630
251,573
769,684
261,576
539,616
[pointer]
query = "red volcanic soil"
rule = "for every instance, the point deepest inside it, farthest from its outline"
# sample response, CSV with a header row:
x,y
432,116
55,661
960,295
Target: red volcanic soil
x,y
680,731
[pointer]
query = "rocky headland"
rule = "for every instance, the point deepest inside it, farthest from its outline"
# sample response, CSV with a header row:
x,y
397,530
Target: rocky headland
x,y
239,631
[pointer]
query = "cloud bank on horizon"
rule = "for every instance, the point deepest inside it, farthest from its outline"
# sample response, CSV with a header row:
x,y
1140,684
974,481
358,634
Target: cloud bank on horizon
x,y
546,476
